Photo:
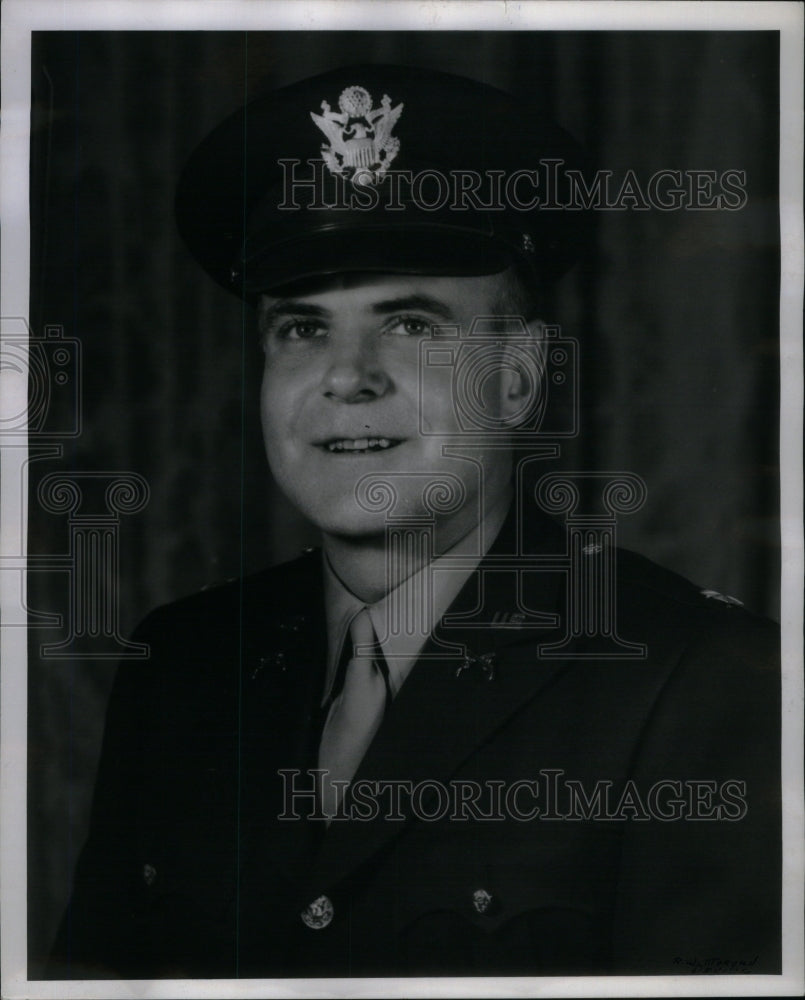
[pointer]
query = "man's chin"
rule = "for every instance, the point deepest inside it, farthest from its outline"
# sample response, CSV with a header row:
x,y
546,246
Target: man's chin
x,y
355,525
368,536
349,535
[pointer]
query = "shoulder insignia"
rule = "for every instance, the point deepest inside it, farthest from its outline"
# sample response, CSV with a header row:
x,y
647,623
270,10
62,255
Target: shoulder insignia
x,y
217,583
714,595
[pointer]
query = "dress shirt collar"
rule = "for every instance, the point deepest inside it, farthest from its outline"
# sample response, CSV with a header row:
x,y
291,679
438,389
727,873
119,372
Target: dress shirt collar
x,y
401,619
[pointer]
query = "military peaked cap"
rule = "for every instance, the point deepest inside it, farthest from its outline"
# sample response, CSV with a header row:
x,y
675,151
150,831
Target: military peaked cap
x,y
384,169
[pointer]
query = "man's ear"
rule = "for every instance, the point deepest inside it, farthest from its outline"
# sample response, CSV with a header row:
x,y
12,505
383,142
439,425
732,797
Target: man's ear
x,y
522,386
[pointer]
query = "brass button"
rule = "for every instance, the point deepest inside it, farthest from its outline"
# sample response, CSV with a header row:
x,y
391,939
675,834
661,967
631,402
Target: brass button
x,y
482,900
318,914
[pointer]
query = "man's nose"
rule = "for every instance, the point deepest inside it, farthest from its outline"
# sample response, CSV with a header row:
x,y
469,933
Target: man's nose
x,y
355,373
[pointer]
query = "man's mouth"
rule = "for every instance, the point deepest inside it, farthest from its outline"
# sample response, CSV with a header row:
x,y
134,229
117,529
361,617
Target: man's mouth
x,y
367,444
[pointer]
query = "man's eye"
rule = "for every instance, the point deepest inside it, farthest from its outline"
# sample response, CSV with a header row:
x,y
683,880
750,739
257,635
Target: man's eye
x,y
409,326
301,330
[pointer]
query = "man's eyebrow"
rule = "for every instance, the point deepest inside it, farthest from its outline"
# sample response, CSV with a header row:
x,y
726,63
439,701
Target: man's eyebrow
x,y
417,302
292,307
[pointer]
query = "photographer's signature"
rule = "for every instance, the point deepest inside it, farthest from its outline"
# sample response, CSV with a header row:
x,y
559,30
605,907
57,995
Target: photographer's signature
x,y
714,966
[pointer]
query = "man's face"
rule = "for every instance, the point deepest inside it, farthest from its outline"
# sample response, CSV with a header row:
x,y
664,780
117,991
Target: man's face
x,y
340,400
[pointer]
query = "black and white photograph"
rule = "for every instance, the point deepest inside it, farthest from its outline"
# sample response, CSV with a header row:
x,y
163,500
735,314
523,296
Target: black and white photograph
x,y
401,499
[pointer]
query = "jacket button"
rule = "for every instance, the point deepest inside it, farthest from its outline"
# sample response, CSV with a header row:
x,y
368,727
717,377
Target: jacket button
x,y
318,914
482,900
149,874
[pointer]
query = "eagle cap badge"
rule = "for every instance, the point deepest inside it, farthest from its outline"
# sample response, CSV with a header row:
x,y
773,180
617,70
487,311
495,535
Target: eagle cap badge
x,y
361,145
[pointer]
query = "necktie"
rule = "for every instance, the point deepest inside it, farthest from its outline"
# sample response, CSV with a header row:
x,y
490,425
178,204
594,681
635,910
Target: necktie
x,y
355,714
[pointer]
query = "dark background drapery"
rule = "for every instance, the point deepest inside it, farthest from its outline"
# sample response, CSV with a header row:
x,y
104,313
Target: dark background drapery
x,y
676,314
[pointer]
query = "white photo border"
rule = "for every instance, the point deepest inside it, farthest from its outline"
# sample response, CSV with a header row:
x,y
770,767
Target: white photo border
x,y
19,19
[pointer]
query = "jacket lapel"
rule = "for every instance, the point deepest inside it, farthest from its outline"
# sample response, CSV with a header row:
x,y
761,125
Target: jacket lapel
x,y
450,704
284,657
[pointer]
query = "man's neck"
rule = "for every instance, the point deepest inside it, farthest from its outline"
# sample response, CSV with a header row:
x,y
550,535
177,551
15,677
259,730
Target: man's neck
x,y
363,565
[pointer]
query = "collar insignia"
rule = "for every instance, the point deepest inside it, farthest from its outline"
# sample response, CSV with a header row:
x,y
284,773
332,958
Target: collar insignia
x,y
486,663
361,145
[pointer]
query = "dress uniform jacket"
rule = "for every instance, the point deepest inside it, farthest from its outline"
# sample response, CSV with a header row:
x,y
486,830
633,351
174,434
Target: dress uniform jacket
x,y
188,871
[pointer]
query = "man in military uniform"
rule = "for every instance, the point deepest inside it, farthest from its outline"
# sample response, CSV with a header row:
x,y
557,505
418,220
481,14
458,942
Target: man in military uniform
x,y
418,751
